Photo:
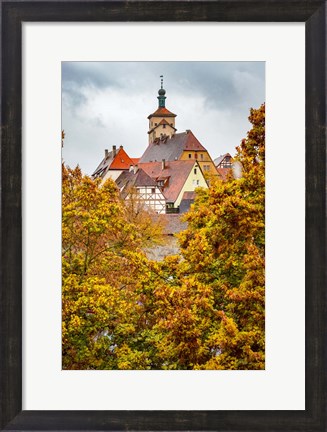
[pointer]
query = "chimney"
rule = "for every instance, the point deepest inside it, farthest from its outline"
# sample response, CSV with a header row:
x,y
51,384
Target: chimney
x,y
121,147
163,164
113,151
106,153
136,168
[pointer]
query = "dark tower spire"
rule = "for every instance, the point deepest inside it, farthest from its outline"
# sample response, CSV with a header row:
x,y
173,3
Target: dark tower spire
x,y
161,93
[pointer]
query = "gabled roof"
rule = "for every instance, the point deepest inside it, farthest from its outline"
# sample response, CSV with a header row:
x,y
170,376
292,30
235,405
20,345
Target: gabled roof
x,y
129,179
219,159
162,112
176,171
118,161
171,148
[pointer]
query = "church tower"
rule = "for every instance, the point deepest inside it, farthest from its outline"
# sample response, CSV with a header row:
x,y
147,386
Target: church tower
x,y
162,121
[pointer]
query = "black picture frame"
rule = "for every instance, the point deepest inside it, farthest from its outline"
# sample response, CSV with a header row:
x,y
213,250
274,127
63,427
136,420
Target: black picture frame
x,y
13,14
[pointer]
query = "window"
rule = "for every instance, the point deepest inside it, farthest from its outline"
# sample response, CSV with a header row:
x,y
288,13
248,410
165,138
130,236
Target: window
x,y
201,156
196,155
197,182
153,190
164,126
194,170
156,124
189,155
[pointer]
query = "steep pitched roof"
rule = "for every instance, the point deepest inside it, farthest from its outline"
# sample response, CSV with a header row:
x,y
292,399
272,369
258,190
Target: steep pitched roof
x,y
162,112
128,179
118,161
219,159
171,148
176,172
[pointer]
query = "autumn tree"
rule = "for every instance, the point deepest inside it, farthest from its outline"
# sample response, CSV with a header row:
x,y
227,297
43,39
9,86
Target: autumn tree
x,y
223,250
102,264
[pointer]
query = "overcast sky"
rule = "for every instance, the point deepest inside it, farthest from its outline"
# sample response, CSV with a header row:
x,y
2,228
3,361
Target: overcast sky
x,y
107,103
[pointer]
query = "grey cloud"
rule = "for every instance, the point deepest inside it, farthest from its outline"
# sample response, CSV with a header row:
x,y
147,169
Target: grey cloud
x,y
86,74
225,89
215,82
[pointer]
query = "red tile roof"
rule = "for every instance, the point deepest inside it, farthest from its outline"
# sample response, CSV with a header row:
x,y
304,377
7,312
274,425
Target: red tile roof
x,y
192,143
118,161
162,112
121,161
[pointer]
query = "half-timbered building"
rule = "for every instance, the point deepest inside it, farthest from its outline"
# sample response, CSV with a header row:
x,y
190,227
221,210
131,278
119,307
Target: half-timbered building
x,y
174,178
137,184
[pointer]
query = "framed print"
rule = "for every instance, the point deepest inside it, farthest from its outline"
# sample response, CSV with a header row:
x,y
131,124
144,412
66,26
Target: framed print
x,y
37,39
41,361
